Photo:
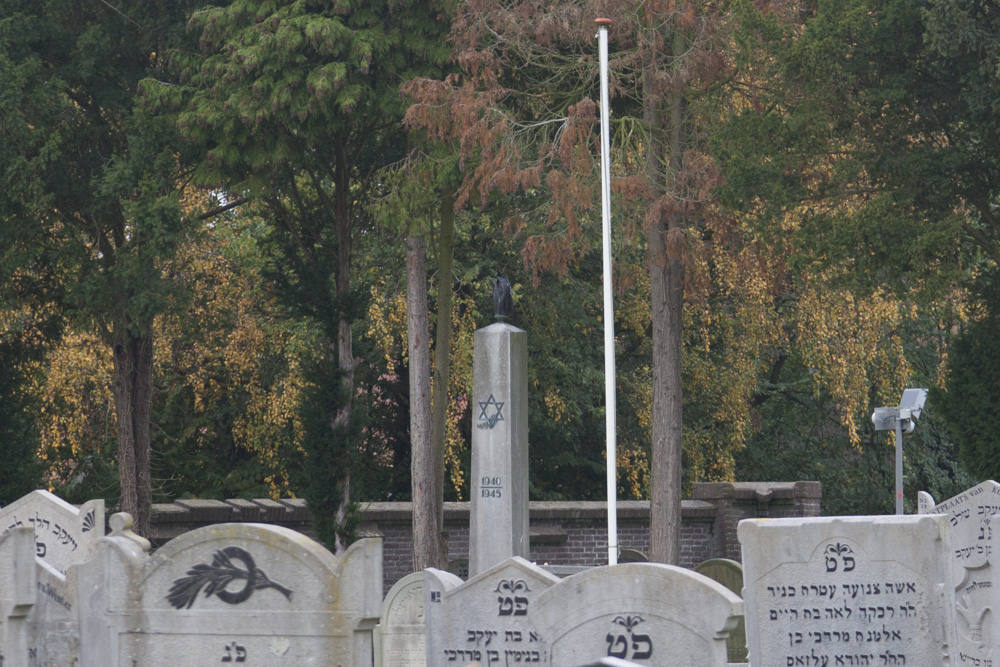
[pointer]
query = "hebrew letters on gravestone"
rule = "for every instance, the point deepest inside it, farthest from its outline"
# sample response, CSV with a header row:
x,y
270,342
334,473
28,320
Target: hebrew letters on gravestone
x,y
64,536
644,613
240,593
977,593
487,618
848,591
516,613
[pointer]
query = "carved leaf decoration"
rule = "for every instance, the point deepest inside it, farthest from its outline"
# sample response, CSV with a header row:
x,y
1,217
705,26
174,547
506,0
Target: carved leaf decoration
x,y
628,622
214,578
512,586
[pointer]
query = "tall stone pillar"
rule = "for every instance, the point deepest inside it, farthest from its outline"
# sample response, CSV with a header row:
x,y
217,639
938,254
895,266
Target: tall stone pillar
x,y
498,522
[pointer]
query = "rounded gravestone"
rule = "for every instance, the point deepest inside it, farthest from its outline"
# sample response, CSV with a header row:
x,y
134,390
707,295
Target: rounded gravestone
x,y
632,556
729,573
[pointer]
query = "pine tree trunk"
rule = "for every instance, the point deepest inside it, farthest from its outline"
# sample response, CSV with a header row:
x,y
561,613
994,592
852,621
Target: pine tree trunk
x,y
666,287
666,277
133,396
426,534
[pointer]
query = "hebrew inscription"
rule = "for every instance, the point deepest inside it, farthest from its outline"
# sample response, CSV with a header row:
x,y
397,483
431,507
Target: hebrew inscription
x,y
970,517
510,603
865,622
849,602
626,643
63,533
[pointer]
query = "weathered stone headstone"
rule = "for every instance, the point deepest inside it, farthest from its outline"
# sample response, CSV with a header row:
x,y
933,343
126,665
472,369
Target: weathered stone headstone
x,y
518,613
729,573
399,636
498,520
925,503
485,617
848,591
646,613
17,594
632,556
63,537
239,593
975,578
459,567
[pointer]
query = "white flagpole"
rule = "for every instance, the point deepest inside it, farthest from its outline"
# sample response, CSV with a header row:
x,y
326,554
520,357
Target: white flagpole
x,y
609,313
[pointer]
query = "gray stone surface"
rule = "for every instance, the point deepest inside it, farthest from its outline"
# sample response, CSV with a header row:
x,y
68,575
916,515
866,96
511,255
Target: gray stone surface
x,y
517,613
249,593
399,636
646,613
498,522
487,616
977,589
925,502
856,591
17,594
64,535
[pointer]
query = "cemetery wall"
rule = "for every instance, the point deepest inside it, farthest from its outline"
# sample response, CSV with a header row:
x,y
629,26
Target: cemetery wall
x,y
561,533
755,500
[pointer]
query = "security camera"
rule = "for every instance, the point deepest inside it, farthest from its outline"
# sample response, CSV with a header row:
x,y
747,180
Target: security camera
x,y
906,413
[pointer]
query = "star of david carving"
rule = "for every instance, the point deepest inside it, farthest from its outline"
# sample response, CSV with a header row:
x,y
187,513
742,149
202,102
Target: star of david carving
x,y
494,406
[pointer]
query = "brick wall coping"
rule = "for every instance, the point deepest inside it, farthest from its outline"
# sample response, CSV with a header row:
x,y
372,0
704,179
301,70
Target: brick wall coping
x,y
291,510
759,491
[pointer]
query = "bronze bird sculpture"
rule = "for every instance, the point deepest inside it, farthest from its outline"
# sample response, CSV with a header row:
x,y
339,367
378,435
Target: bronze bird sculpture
x,y
503,300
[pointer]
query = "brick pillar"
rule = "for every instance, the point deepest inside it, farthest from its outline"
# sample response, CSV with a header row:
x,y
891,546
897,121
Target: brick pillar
x,y
736,501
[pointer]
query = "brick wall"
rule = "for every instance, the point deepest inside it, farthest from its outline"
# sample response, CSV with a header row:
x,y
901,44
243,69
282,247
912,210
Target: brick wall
x,y
564,535
736,501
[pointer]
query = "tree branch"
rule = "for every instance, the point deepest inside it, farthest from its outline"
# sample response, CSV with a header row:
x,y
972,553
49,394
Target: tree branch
x,y
222,208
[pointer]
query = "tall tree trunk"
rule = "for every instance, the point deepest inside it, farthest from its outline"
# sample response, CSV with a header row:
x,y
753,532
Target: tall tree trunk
x,y
666,277
426,534
442,353
133,396
345,343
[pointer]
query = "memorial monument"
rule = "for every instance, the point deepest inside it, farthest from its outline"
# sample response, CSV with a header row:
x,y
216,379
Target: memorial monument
x,y
498,520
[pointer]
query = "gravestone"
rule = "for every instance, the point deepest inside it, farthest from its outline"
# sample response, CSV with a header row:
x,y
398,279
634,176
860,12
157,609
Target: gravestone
x,y
729,573
632,556
498,512
848,591
925,503
17,594
399,636
645,613
974,577
230,593
518,613
63,536
486,617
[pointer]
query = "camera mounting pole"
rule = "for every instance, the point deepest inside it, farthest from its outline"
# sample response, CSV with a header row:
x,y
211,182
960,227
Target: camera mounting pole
x,y
903,419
